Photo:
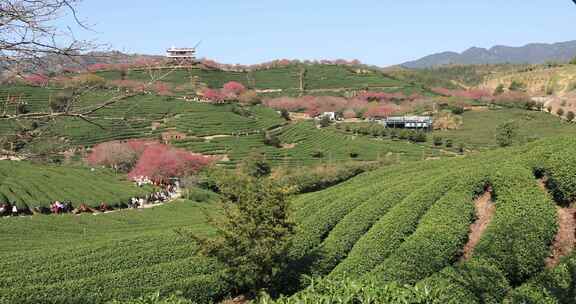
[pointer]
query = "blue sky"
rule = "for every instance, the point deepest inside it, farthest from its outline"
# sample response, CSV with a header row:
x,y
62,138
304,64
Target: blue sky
x,y
384,32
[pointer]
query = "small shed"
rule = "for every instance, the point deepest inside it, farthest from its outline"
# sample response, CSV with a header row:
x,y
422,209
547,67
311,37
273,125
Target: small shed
x,y
169,136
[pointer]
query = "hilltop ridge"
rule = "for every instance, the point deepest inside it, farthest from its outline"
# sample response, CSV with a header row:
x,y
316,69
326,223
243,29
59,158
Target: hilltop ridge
x,y
533,53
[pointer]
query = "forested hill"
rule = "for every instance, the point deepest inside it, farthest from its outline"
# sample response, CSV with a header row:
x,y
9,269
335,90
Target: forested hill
x,y
535,53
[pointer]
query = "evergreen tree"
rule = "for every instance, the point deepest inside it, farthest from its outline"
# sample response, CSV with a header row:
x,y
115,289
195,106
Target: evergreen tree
x,y
253,235
506,133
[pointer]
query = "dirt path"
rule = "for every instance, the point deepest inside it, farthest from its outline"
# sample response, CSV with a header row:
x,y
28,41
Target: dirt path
x,y
177,196
565,239
485,209
216,136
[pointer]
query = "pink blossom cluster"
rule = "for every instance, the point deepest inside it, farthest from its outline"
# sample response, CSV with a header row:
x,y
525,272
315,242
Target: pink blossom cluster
x,y
161,162
153,160
314,105
230,91
209,63
474,94
37,80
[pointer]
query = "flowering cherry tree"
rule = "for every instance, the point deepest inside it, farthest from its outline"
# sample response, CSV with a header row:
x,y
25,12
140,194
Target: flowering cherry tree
x,y
114,154
161,162
38,80
233,87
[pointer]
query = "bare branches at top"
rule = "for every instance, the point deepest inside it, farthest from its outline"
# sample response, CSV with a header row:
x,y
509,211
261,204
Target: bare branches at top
x,y
27,32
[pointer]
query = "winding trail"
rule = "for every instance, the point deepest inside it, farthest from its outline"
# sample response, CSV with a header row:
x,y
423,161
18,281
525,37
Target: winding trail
x,y
485,209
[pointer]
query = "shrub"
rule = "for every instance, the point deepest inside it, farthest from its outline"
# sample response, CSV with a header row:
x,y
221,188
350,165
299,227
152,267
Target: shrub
x,y
285,114
325,122
318,154
457,110
418,137
560,112
570,116
499,89
62,102
255,165
89,80
520,232
270,139
449,143
438,141
155,299
200,195
461,148
506,133
517,86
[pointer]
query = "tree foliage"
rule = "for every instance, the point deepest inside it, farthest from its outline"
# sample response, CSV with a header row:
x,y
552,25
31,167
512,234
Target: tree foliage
x,y
117,155
161,162
506,133
253,234
517,86
256,166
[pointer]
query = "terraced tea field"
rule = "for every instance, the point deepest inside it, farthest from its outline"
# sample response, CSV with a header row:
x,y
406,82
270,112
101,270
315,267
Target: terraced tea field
x,y
409,226
37,186
304,145
403,224
316,77
96,258
213,129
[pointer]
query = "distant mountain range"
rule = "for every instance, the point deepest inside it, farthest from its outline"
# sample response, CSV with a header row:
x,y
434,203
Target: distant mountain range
x,y
535,53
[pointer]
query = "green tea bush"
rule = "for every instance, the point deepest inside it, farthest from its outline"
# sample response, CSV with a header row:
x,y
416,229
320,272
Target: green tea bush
x,y
392,229
353,226
556,285
523,227
350,292
441,234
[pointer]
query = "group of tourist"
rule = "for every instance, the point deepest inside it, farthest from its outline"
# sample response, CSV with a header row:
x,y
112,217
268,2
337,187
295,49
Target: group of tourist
x,y
8,209
167,192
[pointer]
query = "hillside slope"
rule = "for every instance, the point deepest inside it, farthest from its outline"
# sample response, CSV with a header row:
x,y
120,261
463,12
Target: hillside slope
x,y
539,80
404,224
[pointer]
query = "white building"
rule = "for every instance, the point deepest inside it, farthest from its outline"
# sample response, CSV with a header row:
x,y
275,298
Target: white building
x,y
181,53
409,122
330,115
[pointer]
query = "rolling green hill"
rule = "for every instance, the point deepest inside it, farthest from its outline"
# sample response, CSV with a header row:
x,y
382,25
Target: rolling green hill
x,y
224,130
286,78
